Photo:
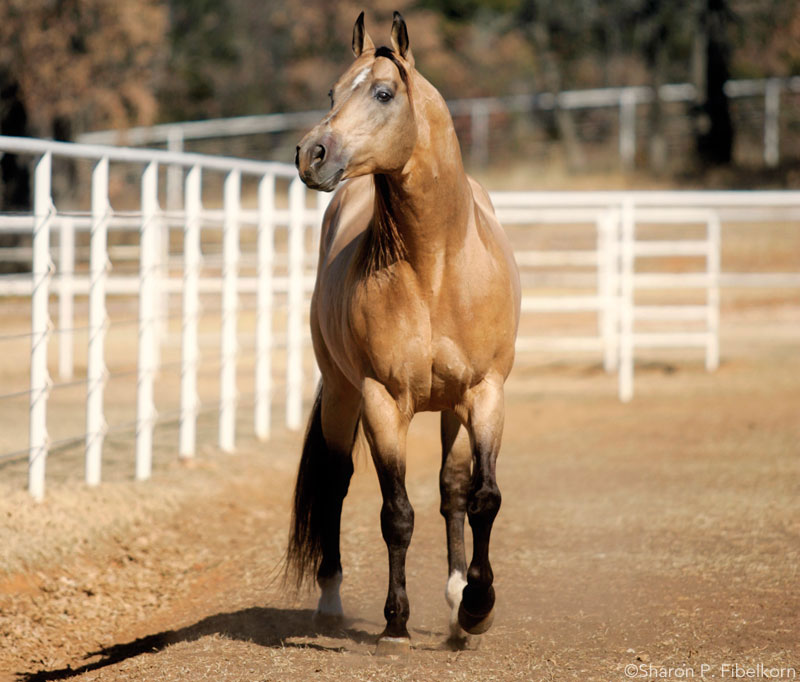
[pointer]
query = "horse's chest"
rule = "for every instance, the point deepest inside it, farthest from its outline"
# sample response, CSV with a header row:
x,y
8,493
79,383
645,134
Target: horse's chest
x,y
401,341
391,326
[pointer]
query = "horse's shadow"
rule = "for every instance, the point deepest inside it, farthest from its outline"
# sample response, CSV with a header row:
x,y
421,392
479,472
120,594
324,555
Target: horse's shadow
x,y
265,626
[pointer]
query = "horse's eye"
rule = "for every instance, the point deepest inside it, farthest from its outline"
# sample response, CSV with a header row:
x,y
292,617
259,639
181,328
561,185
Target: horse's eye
x,y
383,96
330,94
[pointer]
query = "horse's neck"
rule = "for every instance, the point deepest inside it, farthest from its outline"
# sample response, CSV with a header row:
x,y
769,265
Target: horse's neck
x,y
427,204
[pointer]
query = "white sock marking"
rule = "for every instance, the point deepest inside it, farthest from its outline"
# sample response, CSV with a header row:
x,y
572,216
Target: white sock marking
x,y
455,586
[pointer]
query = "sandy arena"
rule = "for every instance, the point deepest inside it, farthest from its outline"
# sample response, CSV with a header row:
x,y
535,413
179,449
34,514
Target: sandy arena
x,y
658,539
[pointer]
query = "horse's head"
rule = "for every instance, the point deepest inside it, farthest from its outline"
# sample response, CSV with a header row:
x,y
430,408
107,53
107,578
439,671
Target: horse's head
x,y
370,127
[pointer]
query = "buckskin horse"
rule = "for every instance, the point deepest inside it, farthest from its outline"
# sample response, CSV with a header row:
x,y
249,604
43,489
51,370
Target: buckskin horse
x,y
415,308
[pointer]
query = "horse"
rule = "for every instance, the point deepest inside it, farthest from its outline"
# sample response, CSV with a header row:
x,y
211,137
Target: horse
x,y
415,308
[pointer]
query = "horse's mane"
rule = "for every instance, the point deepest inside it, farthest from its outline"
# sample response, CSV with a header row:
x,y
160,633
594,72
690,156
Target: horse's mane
x,y
391,55
383,244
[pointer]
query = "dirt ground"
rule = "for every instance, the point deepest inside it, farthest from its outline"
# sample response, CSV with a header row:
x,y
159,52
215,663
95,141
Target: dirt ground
x,y
658,539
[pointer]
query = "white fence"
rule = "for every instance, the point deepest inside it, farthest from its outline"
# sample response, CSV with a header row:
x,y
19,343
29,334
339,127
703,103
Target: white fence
x,y
478,111
599,258
613,281
151,284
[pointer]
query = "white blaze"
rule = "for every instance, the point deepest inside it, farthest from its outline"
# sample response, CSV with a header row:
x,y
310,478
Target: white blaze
x,y
360,78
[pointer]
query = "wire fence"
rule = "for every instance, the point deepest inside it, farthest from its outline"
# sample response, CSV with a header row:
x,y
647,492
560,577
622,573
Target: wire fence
x,y
150,273
152,318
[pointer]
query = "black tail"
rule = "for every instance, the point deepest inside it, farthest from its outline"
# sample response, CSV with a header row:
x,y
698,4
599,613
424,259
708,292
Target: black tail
x,y
322,481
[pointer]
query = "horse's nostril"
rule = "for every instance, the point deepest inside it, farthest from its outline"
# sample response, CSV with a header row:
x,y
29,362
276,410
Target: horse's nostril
x,y
319,154
297,157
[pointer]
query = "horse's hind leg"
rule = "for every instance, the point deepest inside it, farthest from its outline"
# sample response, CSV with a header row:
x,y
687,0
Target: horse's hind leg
x,y
323,478
485,422
339,421
454,480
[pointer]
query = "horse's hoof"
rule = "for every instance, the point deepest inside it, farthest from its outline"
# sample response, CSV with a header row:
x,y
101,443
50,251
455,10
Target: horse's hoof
x,y
462,642
327,621
393,646
474,625
459,640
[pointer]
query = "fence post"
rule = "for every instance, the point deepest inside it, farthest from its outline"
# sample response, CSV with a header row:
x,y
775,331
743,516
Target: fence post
x,y
40,325
772,104
294,348
190,351
98,322
230,302
608,285
712,300
627,302
161,277
627,128
266,257
66,292
146,369
174,173
175,143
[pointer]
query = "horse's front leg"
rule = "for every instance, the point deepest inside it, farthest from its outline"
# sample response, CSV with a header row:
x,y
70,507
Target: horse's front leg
x,y
454,484
485,423
386,428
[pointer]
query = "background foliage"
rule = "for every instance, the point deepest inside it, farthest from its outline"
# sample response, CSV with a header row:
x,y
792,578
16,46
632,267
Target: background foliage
x,y
69,66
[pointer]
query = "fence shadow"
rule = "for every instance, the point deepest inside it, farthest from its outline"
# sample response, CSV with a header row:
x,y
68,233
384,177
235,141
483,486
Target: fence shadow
x,y
265,626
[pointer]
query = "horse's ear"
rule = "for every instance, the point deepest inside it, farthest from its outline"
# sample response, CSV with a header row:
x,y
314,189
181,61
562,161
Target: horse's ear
x,y
361,39
400,38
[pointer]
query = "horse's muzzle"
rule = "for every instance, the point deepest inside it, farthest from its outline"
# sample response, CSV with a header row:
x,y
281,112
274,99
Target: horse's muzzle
x,y
318,161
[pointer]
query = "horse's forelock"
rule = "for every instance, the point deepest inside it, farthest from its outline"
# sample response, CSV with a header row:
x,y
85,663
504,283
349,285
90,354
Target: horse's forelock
x,y
391,55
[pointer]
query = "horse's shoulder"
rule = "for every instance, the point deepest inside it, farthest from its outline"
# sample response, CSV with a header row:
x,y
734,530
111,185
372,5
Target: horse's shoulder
x,y
487,222
487,219
492,232
479,193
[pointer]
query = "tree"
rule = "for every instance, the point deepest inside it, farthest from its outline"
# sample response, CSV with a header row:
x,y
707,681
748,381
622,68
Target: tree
x,y
659,37
554,29
14,175
713,125
685,40
67,66
204,59
74,65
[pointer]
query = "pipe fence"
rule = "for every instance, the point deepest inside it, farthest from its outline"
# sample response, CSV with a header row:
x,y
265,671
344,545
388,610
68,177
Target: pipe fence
x,y
641,255
154,281
217,291
478,112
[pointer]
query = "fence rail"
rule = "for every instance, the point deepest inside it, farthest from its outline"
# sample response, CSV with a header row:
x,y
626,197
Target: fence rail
x,y
592,266
479,110
149,284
